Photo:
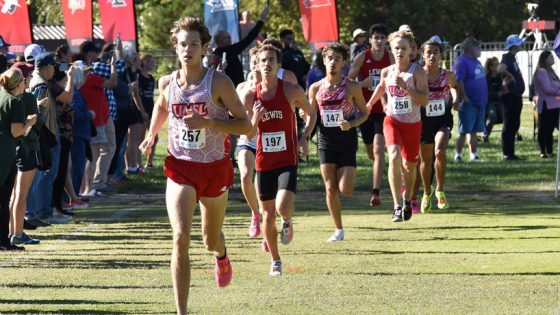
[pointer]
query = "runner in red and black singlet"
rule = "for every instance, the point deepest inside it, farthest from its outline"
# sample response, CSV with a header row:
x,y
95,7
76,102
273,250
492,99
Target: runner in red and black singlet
x,y
197,101
437,122
366,68
337,99
274,118
407,90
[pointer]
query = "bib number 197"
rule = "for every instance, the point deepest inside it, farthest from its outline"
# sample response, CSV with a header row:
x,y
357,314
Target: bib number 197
x,y
274,141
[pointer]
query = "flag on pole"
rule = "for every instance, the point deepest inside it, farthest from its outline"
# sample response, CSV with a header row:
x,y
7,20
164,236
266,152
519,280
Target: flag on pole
x,y
118,16
15,27
77,21
222,15
319,20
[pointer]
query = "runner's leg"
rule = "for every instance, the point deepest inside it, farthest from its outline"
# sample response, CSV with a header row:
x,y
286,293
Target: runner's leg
x,y
246,163
181,202
442,138
395,161
329,174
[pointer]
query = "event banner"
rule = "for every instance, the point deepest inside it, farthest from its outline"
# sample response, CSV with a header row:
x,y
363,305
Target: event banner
x,y
15,27
318,18
118,16
77,22
222,15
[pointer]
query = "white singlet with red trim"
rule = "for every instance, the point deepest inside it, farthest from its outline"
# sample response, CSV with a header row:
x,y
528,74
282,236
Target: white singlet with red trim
x,y
399,103
201,146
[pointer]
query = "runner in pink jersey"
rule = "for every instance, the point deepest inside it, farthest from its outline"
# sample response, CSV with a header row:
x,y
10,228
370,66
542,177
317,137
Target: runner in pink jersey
x,y
437,122
197,101
407,90
338,100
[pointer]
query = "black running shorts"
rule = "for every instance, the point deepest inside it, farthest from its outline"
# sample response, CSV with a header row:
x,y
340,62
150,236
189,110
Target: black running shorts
x,y
269,182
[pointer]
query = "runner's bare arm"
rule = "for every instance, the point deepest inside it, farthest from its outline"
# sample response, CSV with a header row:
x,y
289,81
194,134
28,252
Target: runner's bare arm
x,y
248,100
379,90
296,96
452,81
358,99
224,91
357,63
312,92
419,94
159,116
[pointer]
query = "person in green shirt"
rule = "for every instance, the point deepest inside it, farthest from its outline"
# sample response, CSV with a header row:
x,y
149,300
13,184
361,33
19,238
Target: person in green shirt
x,y
13,124
27,152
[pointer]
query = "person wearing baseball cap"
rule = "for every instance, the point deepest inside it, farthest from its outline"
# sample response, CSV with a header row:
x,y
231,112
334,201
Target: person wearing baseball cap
x,y
359,44
513,102
32,51
473,96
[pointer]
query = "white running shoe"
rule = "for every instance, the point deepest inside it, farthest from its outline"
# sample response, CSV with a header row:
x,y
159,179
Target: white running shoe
x,y
337,236
276,268
287,232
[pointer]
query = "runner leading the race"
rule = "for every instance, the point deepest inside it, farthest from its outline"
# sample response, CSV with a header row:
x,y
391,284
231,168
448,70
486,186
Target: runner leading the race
x,y
274,103
437,122
367,67
337,98
407,90
198,168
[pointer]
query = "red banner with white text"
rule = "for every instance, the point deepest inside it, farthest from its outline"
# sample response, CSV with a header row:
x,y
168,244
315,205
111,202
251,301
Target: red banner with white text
x,y
15,27
319,20
77,22
118,16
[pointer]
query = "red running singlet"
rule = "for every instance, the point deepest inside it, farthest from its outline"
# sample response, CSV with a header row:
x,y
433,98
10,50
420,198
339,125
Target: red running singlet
x,y
372,68
277,134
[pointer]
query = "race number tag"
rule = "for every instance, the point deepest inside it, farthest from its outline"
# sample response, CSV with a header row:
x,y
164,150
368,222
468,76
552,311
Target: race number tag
x,y
435,108
375,79
332,117
191,139
274,141
403,105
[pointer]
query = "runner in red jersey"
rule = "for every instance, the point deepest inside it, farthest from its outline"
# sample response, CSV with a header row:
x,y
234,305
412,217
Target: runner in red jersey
x,y
367,67
198,167
337,100
407,90
274,104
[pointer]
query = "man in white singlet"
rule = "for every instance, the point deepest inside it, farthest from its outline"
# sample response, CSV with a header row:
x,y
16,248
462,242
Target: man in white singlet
x,y
406,87
197,101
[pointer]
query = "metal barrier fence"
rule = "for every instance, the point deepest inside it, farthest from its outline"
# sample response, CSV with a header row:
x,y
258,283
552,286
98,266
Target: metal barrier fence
x,y
166,60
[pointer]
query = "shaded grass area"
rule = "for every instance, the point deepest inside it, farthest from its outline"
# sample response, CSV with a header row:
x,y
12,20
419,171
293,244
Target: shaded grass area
x,y
485,256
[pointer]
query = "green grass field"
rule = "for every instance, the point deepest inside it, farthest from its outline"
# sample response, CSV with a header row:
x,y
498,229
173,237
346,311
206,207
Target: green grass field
x,y
495,251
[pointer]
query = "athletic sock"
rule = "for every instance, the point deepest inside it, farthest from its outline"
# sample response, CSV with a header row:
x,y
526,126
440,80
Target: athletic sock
x,y
375,191
474,155
222,257
407,202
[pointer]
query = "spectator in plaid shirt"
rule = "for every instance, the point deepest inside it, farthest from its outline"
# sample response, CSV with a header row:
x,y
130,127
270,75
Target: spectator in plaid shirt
x,y
103,68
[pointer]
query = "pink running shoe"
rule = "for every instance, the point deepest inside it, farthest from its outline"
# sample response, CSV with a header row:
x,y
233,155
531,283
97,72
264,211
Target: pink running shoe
x,y
255,227
79,204
222,271
264,246
415,206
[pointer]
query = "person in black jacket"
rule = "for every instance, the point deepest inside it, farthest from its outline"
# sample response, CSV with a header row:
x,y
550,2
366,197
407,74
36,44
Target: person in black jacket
x,y
512,99
293,58
234,68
